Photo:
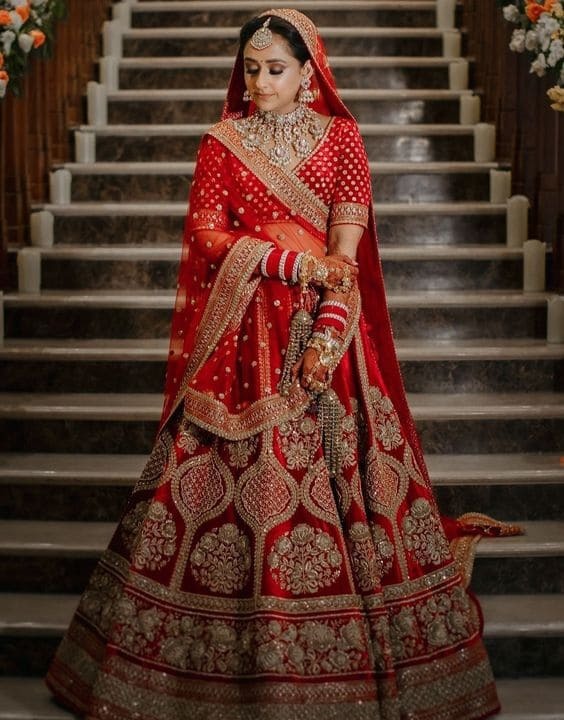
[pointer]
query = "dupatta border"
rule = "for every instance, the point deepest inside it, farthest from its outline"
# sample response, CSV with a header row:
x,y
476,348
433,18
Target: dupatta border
x,y
291,191
230,288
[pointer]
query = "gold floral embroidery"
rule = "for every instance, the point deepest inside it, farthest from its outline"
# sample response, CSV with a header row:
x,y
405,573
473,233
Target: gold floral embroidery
x,y
100,599
162,458
198,486
222,559
266,494
318,495
434,622
384,549
305,559
363,557
240,452
386,421
131,523
156,542
386,482
299,440
353,213
423,534
189,438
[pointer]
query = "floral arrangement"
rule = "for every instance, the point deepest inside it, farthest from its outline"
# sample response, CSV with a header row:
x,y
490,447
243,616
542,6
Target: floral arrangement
x,y
541,33
25,26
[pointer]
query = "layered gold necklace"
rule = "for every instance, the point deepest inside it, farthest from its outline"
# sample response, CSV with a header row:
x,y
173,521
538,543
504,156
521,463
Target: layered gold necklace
x,y
277,135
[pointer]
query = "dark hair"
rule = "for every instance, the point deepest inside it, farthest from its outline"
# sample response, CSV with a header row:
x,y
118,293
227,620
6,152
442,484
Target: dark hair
x,y
281,27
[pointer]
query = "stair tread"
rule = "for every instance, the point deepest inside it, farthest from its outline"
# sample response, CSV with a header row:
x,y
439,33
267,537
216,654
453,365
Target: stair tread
x,y
231,32
134,253
178,209
505,615
219,5
111,469
165,298
23,698
187,168
195,129
156,349
209,94
71,538
147,406
335,61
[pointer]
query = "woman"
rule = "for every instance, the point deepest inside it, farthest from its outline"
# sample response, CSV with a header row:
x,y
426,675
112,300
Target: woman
x,y
282,555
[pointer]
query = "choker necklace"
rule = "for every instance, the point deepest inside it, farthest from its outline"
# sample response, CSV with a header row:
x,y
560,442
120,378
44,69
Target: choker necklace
x,y
277,135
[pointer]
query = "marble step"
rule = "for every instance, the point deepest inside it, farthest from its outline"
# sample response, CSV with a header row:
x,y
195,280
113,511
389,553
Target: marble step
x,y
357,72
205,105
96,487
367,14
198,41
59,556
126,267
385,143
535,622
442,315
416,182
126,422
27,698
92,365
162,223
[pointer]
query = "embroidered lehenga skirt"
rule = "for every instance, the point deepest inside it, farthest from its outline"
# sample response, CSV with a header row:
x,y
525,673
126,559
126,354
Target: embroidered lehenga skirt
x,y
244,582
281,557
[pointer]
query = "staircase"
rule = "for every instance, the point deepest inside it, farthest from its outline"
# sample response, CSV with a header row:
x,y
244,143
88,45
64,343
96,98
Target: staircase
x,y
81,369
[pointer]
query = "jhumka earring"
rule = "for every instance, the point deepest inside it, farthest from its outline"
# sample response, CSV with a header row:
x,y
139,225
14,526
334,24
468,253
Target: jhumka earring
x,y
246,96
305,95
262,38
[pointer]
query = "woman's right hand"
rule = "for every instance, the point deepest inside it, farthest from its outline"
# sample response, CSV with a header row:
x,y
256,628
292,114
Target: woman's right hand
x,y
338,267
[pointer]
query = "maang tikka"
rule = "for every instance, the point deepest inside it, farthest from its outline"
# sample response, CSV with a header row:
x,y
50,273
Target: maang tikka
x,y
262,38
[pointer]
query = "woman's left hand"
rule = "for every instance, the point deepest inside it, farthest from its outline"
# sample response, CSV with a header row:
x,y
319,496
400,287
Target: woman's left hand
x,y
313,375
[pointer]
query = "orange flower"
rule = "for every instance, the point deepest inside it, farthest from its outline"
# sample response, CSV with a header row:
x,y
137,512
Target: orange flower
x,y
4,76
534,10
1,61
5,18
38,38
23,12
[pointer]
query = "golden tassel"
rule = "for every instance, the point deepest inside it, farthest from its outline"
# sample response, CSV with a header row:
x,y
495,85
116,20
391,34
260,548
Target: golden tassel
x,y
329,409
300,331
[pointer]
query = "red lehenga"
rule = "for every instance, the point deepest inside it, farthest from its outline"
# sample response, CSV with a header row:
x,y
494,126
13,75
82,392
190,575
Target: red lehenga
x,y
250,578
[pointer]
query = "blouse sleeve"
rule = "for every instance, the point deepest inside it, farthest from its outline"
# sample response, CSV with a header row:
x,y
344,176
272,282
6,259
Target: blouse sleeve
x,y
352,193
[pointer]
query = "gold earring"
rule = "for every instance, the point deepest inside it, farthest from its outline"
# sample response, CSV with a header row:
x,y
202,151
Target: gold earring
x,y
305,95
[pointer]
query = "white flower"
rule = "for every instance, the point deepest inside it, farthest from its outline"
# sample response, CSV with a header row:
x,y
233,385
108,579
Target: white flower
x,y
511,13
15,20
17,3
3,86
517,43
531,40
546,26
25,41
556,52
539,65
38,3
7,38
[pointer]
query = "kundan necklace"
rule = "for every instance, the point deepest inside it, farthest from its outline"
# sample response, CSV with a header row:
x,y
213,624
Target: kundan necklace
x,y
277,135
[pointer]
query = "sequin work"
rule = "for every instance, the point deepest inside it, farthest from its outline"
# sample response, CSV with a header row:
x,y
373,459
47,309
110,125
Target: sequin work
x,y
279,558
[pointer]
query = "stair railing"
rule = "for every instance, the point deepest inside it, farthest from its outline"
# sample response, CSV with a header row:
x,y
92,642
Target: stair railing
x,y
530,134
34,128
